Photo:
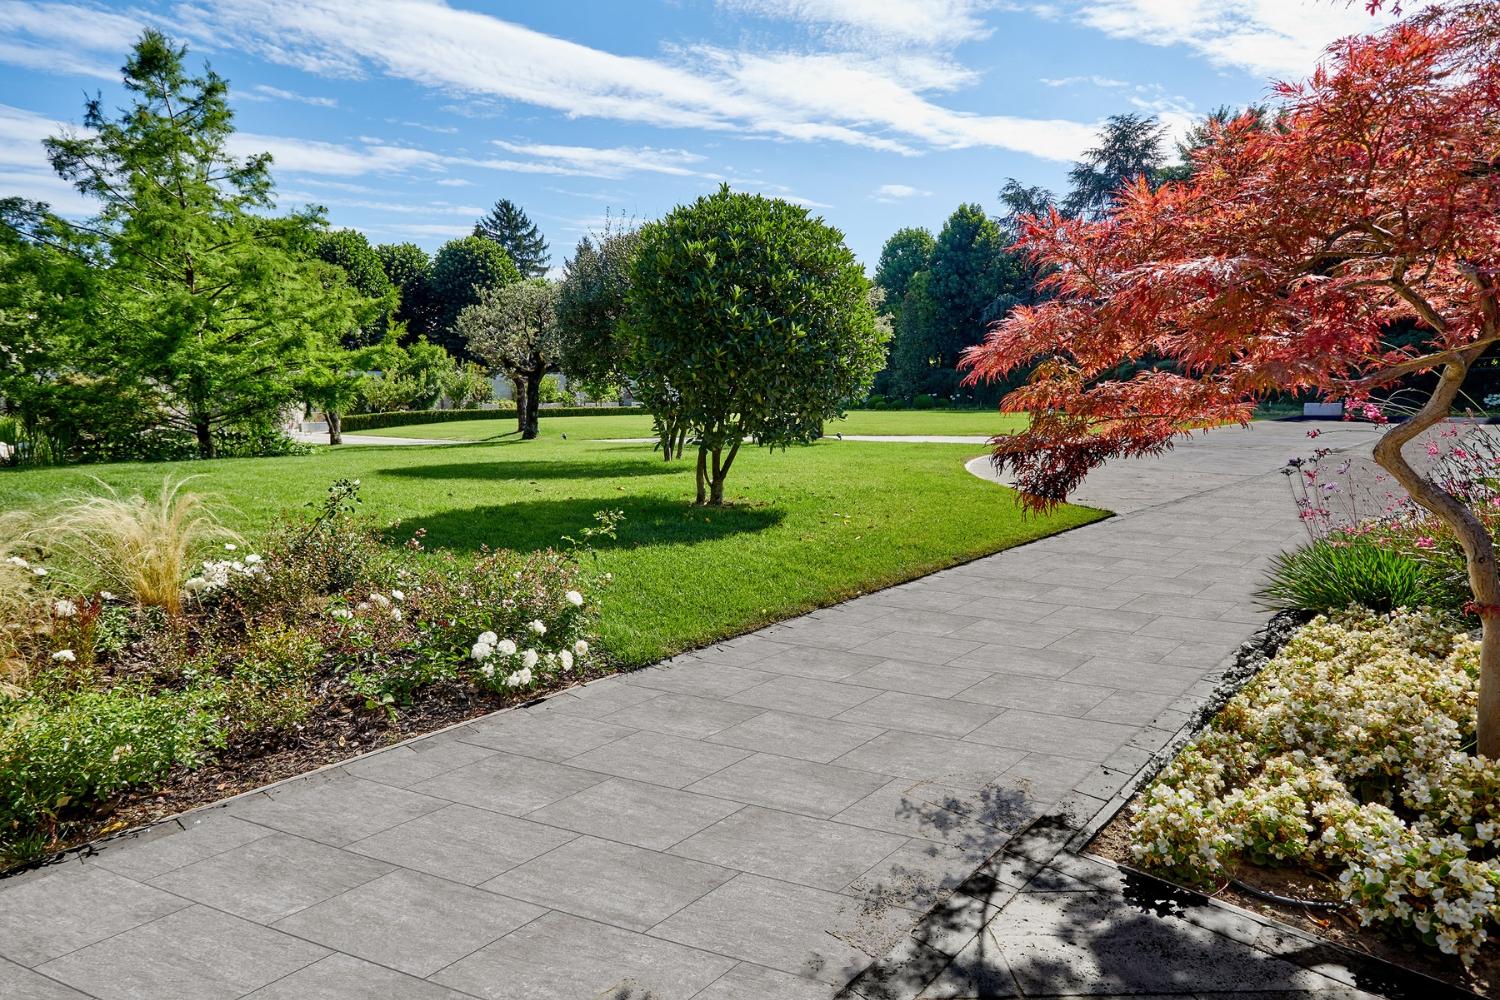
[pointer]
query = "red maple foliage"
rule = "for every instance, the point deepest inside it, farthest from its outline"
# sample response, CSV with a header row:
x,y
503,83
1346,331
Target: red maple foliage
x,y
1372,199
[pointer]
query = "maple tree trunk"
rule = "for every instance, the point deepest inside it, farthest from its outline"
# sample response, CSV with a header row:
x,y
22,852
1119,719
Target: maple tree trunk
x,y
1478,546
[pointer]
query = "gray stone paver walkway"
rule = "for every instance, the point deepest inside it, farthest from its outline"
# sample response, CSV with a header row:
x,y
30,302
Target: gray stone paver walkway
x,y
761,819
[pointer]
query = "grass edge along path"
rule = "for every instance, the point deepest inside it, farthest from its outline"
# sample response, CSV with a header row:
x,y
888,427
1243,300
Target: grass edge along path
x,y
808,527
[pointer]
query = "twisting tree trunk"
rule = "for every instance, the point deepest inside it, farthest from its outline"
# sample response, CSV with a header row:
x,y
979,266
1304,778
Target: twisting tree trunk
x,y
520,387
1478,546
335,427
529,427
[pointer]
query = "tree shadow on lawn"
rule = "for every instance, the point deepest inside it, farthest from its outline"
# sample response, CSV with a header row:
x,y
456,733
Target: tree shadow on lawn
x,y
529,525
503,470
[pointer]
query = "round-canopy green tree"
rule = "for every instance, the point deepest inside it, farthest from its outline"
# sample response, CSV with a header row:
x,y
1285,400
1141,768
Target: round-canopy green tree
x,y
746,318
460,271
513,329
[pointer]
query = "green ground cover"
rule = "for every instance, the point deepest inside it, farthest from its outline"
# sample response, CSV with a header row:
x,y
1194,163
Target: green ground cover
x,y
808,527
594,428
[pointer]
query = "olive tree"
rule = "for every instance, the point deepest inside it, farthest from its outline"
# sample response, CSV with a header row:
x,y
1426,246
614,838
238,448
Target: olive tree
x,y
513,330
746,319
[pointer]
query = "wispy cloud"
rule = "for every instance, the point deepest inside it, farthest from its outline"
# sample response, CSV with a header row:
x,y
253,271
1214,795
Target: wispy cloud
x,y
1093,79
24,170
898,192
1265,37
594,161
266,92
858,98
913,22
66,38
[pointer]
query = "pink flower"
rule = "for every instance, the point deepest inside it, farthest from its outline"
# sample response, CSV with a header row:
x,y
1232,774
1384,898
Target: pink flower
x,y
1426,542
1314,433
1432,449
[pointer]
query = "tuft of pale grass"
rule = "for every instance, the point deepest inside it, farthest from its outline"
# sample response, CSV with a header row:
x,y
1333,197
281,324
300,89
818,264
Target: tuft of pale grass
x,y
135,545
20,593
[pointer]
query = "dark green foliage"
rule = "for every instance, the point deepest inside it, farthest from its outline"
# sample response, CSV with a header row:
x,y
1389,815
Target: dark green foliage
x,y
746,318
409,269
461,268
590,306
1129,147
509,226
1327,576
904,254
970,281
1020,200
364,272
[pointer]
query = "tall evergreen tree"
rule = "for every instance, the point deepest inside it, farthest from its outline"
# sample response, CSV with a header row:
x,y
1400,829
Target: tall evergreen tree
x,y
1129,147
213,303
903,255
509,226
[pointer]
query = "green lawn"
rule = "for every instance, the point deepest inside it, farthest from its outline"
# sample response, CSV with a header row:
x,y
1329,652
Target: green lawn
x,y
628,426
809,526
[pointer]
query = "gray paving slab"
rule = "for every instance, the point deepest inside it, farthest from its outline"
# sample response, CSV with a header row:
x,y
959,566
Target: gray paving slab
x,y
766,817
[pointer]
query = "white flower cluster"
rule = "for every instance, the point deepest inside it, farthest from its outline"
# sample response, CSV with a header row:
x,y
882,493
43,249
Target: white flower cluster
x,y
1356,716
219,573
501,662
20,563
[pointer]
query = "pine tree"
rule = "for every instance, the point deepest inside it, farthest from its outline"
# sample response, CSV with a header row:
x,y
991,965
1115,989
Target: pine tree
x,y
507,225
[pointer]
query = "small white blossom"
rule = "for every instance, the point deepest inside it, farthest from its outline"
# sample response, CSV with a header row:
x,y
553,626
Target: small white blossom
x,y
574,598
488,638
538,627
481,651
64,656
505,647
398,597
230,547
566,659
580,648
529,659
342,613
64,608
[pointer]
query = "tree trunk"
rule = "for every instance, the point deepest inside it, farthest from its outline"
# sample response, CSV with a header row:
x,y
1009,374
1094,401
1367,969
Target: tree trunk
x,y
1479,548
519,384
530,429
702,475
205,434
335,427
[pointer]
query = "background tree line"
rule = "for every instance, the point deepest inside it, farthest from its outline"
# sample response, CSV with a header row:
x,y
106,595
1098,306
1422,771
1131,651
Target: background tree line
x,y
941,293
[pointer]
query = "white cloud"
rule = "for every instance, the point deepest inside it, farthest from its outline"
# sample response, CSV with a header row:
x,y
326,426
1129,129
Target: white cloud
x,y
859,98
310,156
266,92
66,38
1094,79
454,182
1276,38
894,192
593,161
918,22
24,170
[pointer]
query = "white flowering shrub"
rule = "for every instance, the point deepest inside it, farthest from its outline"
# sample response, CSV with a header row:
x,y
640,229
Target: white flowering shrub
x,y
1347,753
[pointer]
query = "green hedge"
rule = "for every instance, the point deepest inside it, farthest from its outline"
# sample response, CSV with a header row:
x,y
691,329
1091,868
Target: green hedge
x,y
357,422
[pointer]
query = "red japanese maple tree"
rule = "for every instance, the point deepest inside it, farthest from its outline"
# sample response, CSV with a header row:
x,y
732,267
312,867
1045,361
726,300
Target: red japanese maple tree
x,y
1374,199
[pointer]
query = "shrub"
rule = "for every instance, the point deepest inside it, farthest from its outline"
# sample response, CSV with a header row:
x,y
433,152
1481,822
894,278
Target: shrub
x,y
137,546
63,753
1350,752
746,318
1333,573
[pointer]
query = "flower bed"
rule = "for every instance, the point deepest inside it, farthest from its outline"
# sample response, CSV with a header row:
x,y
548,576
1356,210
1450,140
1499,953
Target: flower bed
x,y
119,706
1345,764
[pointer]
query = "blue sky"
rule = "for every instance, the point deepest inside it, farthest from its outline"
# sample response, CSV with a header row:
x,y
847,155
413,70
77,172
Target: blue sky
x,y
407,118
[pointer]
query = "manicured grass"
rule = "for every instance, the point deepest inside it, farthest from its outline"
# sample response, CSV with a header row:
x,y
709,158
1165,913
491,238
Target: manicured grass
x,y
944,422
809,526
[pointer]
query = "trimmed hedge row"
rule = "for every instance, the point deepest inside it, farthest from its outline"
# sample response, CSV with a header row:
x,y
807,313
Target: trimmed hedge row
x,y
355,422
